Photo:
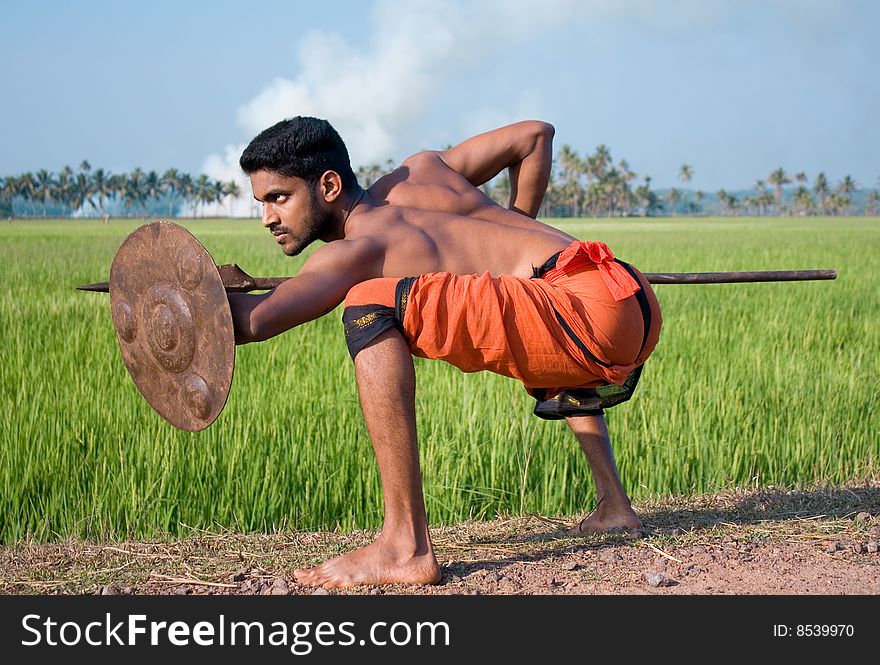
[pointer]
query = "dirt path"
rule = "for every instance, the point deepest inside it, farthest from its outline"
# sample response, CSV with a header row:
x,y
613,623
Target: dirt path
x,y
815,541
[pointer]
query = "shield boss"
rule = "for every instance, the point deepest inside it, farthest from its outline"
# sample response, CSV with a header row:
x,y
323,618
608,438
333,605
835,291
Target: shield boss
x,y
173,323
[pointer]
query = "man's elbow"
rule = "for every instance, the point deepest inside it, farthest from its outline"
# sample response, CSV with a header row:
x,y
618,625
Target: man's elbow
x,y
244,333
245,321
538,136
259,328
542,130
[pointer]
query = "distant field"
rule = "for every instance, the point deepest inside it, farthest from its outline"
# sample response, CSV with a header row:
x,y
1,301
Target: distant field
x,y
756,384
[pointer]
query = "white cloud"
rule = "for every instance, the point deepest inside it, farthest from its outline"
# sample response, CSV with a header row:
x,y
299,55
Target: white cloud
x,y
375,94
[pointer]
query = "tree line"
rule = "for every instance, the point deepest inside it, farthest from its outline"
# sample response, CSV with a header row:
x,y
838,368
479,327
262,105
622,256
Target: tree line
x,y
819,198
96,192
593,185
588,185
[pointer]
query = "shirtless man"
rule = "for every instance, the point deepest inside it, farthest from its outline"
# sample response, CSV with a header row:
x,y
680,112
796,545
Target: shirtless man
x,y
428,218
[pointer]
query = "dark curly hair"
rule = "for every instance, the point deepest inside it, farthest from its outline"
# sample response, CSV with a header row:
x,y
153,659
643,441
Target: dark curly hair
x,y
300,147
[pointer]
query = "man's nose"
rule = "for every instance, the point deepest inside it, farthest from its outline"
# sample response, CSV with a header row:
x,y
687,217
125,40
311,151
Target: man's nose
x,y
270,217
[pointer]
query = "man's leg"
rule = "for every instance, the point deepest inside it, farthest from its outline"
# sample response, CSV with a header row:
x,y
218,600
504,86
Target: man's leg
x,y
613,508
402,552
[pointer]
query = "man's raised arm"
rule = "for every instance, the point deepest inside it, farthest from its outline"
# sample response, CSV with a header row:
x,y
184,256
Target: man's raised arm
x,y
524,148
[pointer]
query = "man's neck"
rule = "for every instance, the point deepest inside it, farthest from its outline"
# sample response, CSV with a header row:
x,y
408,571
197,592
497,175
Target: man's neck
x,y
356,199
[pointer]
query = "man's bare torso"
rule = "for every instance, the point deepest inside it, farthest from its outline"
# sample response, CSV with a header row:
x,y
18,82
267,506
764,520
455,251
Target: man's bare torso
x,y
428,218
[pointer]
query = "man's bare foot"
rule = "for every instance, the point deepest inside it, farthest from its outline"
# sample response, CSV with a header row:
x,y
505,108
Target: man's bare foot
x,y
605,521
377,563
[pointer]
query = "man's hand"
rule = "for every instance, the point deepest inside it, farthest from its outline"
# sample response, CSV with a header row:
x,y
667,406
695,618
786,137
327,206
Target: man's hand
x,y
524,148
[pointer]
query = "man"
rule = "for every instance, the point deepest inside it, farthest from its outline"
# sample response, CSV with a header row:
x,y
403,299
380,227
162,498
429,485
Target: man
x,y
428,265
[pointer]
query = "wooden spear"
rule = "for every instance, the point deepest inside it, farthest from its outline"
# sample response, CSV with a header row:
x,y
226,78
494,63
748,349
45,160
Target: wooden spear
x,y
238,281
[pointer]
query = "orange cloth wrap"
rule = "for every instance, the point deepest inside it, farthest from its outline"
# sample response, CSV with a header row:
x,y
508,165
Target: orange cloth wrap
x,y
510,325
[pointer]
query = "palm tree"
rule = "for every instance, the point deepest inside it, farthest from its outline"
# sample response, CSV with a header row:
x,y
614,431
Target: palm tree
x,y
685,174
217,189
9,189
83,186
43,188
80,191
673,196
62,188
187,190
804,203
838,203
626,177
202,193
872,203
118,186
602,158
846,187
822,190
612,187
647,199
132,189
152,189
728,201
760,195
778,178
594,199
27,188
231,191
102,187
571,165
172,185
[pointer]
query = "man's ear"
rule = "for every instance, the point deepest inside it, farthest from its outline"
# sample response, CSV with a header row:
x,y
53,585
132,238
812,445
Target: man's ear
x,y
330,186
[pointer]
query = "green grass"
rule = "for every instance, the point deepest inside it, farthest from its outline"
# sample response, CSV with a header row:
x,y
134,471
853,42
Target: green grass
x,y
750,385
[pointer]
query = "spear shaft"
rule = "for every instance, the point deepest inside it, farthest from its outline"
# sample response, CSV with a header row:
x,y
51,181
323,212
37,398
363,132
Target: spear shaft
x,y
237,280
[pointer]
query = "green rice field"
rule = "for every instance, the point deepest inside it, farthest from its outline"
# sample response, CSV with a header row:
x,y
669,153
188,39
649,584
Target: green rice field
x,y
751,385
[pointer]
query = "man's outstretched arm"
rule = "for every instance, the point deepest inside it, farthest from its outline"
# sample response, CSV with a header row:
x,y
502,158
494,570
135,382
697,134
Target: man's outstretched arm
x,y
317,289
524,148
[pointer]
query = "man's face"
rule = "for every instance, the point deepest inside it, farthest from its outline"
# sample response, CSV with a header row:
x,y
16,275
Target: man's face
x,y
290,210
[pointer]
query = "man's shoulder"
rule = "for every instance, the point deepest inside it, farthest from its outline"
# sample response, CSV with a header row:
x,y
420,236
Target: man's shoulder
x,y
360,244
416,176
427,164
419,176
350,253
423,157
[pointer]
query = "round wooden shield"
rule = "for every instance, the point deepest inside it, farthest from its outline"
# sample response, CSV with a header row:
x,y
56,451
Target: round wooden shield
x,y
173,323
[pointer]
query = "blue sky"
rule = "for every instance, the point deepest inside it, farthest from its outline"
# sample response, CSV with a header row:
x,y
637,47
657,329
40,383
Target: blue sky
x,y
734,88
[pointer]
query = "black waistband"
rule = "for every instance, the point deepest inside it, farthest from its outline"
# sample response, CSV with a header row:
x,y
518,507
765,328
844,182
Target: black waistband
x,y
546,267
643,304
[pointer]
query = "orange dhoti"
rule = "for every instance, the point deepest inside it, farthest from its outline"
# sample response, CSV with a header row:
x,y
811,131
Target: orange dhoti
x,y
587,321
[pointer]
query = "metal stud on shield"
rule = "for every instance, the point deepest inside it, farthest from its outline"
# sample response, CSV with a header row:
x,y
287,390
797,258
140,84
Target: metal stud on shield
x,y
173,324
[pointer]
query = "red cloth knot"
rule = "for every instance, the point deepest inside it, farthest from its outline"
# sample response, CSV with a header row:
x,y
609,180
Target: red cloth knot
x,y
619,282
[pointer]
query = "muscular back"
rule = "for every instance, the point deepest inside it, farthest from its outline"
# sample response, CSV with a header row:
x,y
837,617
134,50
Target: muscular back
x,y
430,218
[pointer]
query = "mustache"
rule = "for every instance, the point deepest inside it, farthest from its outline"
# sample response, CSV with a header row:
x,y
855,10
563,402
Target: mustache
x,y
277,229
